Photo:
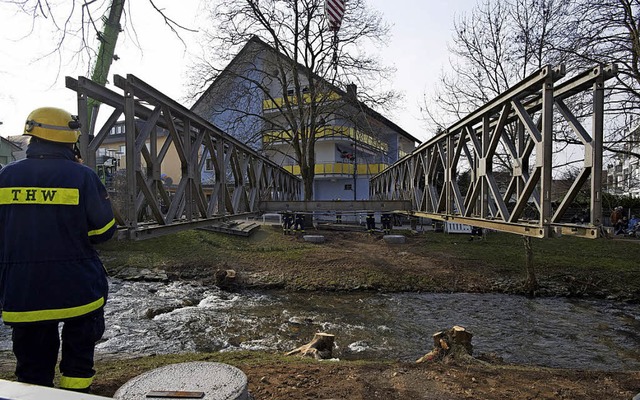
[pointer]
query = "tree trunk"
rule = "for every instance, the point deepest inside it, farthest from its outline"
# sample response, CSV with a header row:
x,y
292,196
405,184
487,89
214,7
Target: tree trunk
x,y
531,283
452,344
320,347
307,181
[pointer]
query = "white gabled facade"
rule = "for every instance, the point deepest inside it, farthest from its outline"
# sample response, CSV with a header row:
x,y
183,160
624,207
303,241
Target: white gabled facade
x,y
348,150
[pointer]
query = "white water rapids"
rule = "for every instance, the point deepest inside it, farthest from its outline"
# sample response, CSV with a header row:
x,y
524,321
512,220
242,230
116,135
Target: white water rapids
x,y
155,318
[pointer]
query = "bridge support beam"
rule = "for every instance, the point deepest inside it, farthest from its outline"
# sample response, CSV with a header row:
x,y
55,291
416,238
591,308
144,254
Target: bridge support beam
x,y
336,205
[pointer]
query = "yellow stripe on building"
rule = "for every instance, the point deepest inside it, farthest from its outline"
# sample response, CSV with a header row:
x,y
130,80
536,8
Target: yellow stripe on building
x,y
338,132
269,104
340,169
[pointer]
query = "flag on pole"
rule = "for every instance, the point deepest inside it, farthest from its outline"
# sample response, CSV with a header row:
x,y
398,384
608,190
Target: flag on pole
x,y
335,11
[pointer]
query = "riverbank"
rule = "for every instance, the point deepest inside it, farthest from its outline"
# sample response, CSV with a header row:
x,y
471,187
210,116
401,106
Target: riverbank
x,y
357,261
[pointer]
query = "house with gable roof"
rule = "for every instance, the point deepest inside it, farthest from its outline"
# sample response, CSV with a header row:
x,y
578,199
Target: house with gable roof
x,y
353,141
11,149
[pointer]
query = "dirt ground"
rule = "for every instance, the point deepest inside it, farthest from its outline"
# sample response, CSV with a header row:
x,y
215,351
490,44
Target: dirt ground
x,y
293,378
436,381
357,261
395,381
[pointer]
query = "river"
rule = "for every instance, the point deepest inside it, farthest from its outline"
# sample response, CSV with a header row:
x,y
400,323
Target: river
x,y
156,318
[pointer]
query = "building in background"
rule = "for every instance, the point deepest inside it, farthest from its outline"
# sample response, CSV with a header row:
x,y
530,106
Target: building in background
x,y
110,157
13,148
623,170
352,141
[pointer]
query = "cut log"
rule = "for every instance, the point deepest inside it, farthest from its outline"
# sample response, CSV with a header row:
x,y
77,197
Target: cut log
x,y
320,347
454,343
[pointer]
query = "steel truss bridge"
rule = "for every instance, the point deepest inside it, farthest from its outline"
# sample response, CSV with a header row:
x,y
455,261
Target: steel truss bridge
x,y
144,207
507,147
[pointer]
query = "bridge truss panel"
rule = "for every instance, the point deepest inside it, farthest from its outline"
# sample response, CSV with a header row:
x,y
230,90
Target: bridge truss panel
x,y
506,149
145,206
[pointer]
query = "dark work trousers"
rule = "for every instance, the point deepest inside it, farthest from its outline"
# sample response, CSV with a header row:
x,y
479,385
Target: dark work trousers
x,y
36,349
386,223
299,223
371,223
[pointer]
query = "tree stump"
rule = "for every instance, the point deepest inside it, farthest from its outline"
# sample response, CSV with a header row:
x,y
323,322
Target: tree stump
x,y
452,344
320,347
225,279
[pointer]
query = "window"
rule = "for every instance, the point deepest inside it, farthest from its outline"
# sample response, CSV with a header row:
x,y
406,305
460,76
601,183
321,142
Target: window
x,y
208,165
348,186
291,92
117,130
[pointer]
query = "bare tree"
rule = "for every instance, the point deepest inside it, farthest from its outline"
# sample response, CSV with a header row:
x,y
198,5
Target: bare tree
x,y
610,33
78,25
495,46
501,42
89,29
297,66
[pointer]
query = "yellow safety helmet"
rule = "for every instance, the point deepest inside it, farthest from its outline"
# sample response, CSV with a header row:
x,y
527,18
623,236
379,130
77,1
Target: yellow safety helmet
x,y
53,124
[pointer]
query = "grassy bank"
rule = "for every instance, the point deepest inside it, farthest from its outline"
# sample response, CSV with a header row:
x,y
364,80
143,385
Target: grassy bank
x,y
429,261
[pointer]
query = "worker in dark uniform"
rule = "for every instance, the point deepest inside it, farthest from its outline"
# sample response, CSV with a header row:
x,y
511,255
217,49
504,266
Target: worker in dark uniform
x,y
338,215
371,222
52,210
386,221
397,219
299,223
287,222
475,231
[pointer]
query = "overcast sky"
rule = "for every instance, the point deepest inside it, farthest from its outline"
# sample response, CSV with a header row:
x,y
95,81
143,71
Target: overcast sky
x,y
418,49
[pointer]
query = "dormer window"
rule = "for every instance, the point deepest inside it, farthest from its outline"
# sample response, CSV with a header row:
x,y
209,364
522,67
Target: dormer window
x,y
292,91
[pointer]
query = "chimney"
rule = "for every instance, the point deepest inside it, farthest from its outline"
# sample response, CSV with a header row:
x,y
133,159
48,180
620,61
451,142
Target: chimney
x,y
352,91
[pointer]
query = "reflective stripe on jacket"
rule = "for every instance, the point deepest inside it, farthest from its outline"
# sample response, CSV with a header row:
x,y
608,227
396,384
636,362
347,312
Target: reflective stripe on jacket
x,y
52,209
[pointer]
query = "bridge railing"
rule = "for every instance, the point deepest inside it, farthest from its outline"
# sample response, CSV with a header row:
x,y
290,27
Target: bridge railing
x,y
144,206
507,149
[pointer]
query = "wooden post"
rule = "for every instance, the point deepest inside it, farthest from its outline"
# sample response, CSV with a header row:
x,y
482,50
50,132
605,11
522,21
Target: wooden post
x,y
531,283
